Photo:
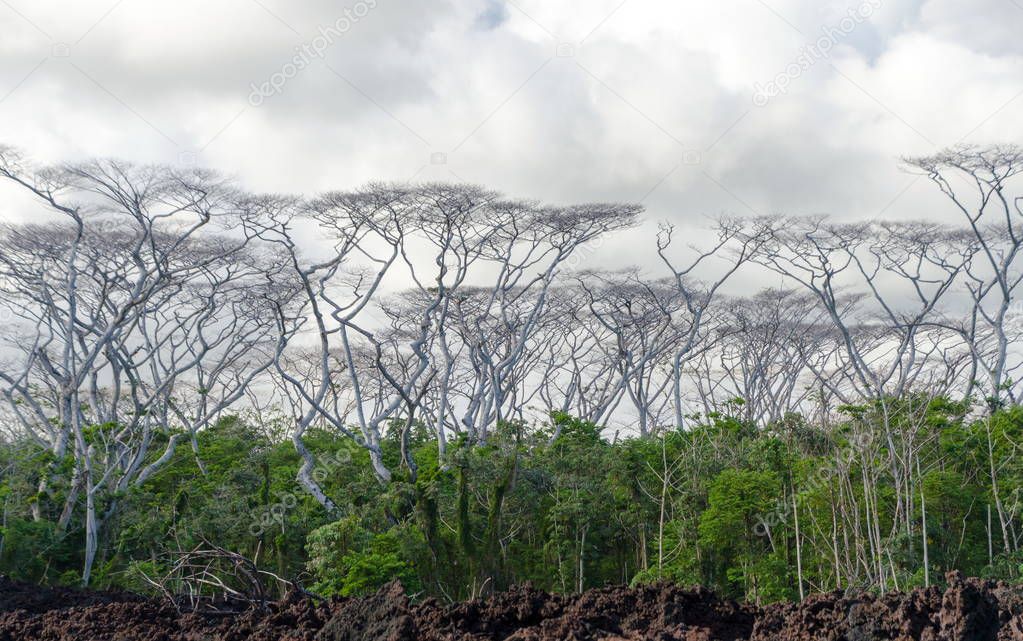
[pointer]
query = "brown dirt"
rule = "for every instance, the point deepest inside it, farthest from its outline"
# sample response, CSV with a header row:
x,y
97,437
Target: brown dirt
x,y
968,610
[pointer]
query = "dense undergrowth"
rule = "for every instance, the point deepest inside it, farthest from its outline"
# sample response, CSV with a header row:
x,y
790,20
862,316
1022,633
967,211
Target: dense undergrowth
x,y
718,504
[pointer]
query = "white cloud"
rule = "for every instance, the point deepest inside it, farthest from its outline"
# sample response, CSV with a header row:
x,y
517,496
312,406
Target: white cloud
x,y
647,86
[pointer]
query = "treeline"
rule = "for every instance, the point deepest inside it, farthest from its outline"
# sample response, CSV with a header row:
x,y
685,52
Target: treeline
x,y
762,513
434,330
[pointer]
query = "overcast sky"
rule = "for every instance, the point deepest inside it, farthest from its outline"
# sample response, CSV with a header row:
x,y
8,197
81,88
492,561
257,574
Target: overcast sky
x,y
668,103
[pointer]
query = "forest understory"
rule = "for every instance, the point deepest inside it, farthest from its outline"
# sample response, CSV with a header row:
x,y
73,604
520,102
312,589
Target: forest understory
x,y
966,610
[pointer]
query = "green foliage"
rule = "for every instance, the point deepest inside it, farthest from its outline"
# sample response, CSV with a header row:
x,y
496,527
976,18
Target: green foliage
x,y
36,550
346,559
738,501
560,505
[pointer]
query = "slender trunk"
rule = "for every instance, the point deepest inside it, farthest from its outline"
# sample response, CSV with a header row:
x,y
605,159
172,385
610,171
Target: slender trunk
x,y
799,548
834,546
923,528
305,476
643,562
994,487
91,533
990,544
660,522
70,501
582,561
923,537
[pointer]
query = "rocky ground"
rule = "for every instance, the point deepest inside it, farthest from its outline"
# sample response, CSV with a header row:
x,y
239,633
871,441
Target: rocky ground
x,y
968,610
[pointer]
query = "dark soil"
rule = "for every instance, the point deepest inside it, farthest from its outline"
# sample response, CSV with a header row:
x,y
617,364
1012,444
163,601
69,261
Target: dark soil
x,y
968,610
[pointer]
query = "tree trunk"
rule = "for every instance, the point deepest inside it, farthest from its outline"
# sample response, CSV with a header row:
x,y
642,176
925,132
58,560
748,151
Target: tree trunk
x,y
799,547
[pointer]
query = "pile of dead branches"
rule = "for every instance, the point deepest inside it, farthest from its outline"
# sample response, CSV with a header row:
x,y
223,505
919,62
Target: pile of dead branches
x,y
213,580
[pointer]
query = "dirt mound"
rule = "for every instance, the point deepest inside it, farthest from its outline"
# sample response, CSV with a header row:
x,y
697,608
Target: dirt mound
x,y
968,610
385,616
665,612
15,595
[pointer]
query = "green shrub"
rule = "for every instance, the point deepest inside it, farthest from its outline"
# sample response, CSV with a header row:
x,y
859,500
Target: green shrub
x,y
348,560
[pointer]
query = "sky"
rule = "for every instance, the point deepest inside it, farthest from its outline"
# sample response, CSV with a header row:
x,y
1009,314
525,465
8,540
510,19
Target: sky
x,y
692,108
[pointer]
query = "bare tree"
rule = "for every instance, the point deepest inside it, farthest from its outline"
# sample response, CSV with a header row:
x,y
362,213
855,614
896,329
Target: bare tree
x,y
978,181
743,240
761,352
880,337
119,243
481,266
639,319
